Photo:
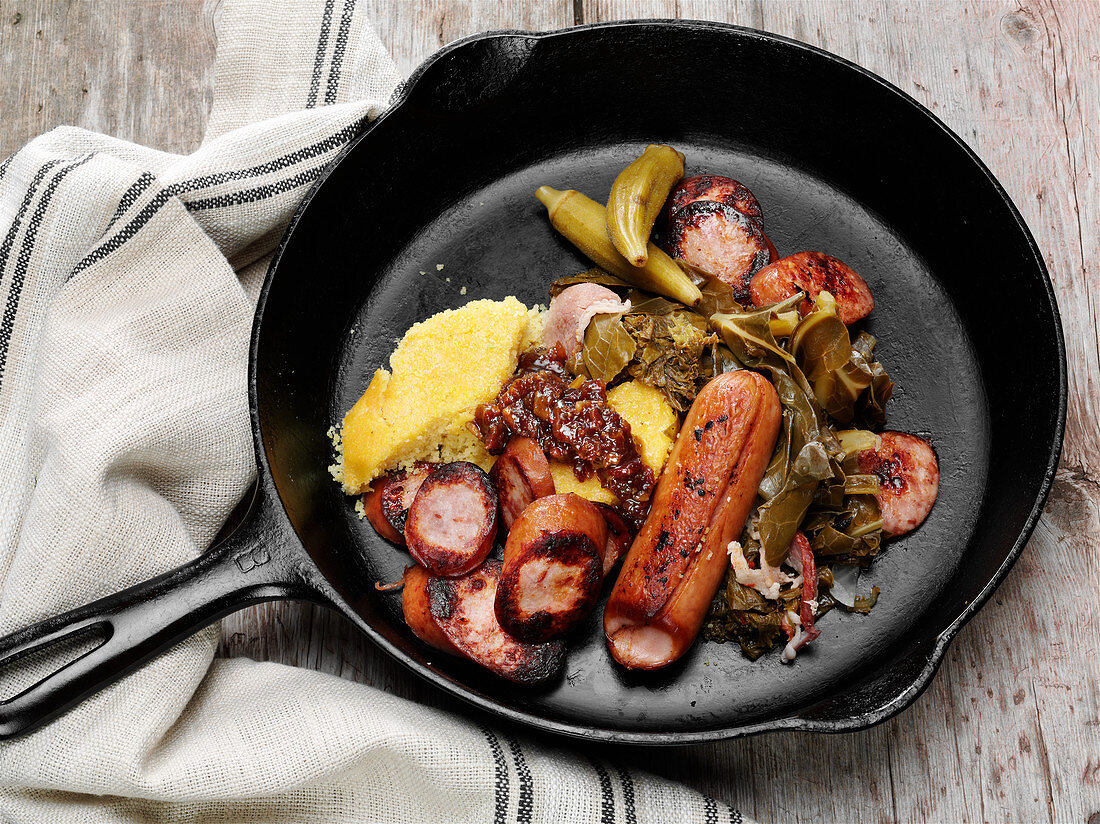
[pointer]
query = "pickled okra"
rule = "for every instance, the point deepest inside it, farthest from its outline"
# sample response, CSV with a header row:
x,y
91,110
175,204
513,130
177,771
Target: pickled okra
x,y
636,198
583,222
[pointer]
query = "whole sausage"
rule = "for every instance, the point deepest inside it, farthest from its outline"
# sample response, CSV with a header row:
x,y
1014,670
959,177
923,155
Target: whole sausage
x,y
719,189
909,479
520,475
813,273
720,240
708,487
453,519
553,568
455,615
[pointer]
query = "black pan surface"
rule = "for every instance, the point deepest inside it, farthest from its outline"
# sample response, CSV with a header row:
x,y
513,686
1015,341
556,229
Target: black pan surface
x,y
437,197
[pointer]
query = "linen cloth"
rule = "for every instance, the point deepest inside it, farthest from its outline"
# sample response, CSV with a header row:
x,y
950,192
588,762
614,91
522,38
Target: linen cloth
x,y
128,278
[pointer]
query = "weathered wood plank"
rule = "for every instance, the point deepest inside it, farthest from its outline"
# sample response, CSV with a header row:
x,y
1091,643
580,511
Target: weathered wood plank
x,y
134,69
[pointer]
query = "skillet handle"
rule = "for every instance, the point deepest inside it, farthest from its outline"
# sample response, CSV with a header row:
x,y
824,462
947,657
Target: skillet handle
x,y
256,563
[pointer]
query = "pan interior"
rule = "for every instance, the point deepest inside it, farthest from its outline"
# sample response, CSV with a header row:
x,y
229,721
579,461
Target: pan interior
x,y
497,241
435,207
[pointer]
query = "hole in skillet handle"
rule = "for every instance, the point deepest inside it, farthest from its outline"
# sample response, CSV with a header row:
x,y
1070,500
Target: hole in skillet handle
x,y
54,664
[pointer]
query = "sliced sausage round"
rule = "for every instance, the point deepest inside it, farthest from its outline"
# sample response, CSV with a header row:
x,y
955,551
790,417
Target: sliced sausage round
x,y
372,509
909,479
718,189
387,503
453,519
720,240
553,567
813,273
619,536
520,475
416,606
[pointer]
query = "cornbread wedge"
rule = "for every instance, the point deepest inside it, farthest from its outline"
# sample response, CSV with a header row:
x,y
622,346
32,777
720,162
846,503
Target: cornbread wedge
x,y
441,371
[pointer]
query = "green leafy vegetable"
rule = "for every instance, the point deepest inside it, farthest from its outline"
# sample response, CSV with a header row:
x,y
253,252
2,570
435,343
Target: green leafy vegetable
x,y
669,349
608,347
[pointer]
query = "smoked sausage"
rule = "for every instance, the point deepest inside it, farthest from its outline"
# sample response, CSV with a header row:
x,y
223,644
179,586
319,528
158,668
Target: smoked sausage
x,y
813,273
455,615
553,568
720,240
386,504
520,475
909,479
453,519
619,536
718,189
708,487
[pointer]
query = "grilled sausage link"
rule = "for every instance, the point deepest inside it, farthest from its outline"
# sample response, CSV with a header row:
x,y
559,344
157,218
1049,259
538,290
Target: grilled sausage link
x,y
708,487
718,239
553,568
813,273
453,519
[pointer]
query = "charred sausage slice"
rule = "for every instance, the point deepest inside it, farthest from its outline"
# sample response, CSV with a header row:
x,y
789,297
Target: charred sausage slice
x,y
520,475
909,479
372,508
553,568
387,503
718,189
619,536
463,611
718,239
453,519
705,493
813,273
416,606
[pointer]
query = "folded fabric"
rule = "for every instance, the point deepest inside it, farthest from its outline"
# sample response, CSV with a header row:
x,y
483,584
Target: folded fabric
x,y
128,279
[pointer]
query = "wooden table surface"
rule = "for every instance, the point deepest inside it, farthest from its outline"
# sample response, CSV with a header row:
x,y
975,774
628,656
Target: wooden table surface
x,y
1010,728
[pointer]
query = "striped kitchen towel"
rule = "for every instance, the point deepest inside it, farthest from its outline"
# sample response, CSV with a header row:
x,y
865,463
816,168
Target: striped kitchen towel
x,y
128,278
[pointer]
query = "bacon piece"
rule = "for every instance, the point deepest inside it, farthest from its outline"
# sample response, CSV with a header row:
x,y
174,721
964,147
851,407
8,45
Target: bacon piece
x,y
521,475
553,567
720,240
909,479
572,309
453,519
457,615
813,273
807,566
718,189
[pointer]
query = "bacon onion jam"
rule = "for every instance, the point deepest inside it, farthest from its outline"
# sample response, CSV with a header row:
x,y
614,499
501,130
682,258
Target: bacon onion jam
x,y
572,421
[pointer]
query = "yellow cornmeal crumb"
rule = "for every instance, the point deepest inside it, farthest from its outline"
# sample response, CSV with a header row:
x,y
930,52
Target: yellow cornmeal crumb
x,y
442,370
652,421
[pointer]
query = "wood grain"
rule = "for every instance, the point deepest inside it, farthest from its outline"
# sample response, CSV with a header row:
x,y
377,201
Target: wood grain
x,y
1009,730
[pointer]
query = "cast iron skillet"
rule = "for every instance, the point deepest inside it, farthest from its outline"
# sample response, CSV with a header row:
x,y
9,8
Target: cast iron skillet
x,y
841,161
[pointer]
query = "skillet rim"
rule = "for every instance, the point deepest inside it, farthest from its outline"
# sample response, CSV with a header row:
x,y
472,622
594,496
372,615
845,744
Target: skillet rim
x,y
797,721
